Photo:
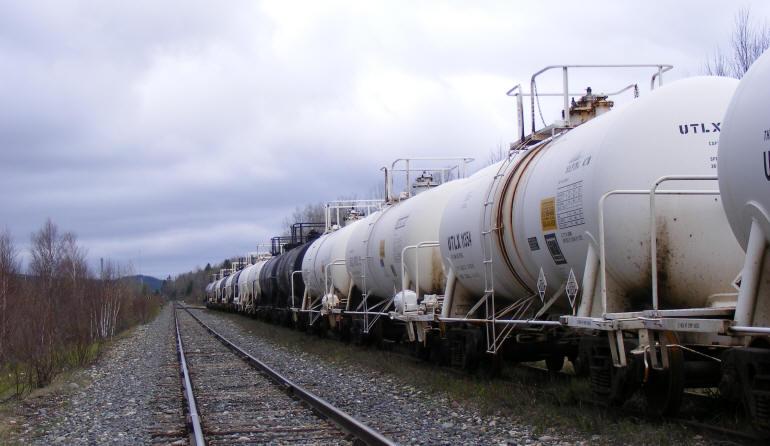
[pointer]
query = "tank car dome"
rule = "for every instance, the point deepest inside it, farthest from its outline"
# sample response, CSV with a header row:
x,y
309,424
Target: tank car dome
x,y
744,153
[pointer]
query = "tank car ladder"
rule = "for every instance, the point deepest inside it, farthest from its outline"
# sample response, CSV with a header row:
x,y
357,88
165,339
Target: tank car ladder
x,y
494,340
363,307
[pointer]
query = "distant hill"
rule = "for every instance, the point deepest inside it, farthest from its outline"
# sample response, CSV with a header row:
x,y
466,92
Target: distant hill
x,y
153,283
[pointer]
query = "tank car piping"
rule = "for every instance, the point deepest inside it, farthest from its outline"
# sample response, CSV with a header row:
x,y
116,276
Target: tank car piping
x,y
514,177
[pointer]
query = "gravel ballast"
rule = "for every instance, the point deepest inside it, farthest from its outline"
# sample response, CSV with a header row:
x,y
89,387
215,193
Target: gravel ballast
x,y
387,403
130,396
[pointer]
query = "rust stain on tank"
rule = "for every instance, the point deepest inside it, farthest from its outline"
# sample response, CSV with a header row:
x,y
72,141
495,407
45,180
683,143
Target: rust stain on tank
x,y
639,296
664,261
671,294
437,271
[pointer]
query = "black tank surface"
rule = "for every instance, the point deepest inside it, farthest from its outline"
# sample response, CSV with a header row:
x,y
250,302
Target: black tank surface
x,y
222,288
267,283
288,263
234,285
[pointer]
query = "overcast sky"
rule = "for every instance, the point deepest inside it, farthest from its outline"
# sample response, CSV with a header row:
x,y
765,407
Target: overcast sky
x,y
168,134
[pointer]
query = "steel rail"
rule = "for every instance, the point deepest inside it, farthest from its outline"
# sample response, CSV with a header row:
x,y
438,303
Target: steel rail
x,y
346,422
192,408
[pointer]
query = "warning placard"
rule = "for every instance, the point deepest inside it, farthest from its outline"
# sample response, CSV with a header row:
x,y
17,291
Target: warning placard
x,y
548,214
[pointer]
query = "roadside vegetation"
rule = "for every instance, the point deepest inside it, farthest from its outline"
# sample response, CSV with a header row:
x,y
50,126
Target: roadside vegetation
x,y
55,313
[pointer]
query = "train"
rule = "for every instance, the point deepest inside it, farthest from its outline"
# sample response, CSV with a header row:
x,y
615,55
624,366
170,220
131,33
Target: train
x,y
631,241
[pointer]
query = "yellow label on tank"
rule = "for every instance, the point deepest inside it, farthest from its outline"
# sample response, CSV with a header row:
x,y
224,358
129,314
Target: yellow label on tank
x,y
548,214
382,249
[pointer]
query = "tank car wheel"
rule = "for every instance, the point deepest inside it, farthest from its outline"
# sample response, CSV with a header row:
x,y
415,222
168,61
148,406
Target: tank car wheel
x,y
421,351
554,362
579,364
664,389
491,366
609,384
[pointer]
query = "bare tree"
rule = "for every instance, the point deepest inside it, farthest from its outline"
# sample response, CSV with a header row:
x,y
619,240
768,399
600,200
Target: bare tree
x,y
105,318
9,272
46,253
54,318
497,154
313,213
74,278
747,42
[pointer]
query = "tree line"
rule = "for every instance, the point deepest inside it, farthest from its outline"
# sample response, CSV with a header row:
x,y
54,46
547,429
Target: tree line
x,y
57,312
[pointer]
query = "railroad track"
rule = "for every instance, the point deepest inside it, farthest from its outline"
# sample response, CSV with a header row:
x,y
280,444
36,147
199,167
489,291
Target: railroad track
x,y
232,397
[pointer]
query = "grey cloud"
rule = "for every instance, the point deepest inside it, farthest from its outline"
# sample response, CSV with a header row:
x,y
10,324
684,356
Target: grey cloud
x,y
171,134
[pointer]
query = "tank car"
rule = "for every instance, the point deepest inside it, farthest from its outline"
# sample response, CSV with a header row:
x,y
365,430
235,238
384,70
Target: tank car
x,y
227,295
208,292
245,288
276,276
326,281
251,300
604,240
221,288
395,263
744,180
573,215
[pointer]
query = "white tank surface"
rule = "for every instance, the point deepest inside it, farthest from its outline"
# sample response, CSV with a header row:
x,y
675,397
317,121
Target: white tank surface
x,y
328,249
229,287
744,153
244,287
253,282
375,249
744,179
217,290
546,207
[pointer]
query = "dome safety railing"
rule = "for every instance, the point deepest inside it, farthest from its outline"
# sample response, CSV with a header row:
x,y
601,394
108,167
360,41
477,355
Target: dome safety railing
x,y
533,94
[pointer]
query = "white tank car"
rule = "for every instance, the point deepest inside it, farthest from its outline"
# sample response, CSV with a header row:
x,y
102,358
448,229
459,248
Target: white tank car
x,y
253,281
244,288
322,253
218,290
546,208
744,180
376,246
229,287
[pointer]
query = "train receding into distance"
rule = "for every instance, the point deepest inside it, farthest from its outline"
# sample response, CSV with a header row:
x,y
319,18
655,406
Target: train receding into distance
x,y
631,241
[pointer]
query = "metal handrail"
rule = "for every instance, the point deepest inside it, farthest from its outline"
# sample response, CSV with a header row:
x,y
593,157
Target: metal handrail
x,y
661,68
292,287
461,170
653,235
416,247
503,321
521,93
602,253
335,262
367,204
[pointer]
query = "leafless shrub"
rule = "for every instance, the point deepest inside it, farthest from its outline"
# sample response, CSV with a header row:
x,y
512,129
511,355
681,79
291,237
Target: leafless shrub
x,y
9,272
497,154
56,315
747,42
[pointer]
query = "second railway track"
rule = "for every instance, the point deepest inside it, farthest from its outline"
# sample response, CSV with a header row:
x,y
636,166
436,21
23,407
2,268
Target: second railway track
x,y
237,399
